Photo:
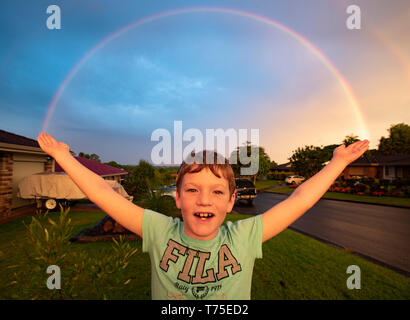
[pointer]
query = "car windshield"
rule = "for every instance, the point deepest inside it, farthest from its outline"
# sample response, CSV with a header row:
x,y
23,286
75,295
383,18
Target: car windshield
x,y
242,183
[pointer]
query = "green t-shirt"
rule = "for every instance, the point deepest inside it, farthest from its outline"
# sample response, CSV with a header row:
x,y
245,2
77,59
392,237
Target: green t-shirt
x,y
186,268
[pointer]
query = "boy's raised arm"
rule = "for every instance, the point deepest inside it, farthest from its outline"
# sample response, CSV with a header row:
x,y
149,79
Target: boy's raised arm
x,y
97,190
308,193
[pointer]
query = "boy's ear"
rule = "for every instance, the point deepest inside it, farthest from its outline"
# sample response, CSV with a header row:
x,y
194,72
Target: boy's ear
x,y
177,200
231,203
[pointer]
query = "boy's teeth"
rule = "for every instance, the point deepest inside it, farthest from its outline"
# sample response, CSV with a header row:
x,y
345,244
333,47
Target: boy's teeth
x,y
204,215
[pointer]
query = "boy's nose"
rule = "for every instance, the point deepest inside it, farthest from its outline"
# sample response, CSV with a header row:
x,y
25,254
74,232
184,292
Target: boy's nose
x,y
204,199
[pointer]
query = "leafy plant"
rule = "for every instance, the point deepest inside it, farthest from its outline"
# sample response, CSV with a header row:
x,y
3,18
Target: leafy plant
x,y
82,276
162,203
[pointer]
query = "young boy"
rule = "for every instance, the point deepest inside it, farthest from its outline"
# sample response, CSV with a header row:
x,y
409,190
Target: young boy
x,y
199,258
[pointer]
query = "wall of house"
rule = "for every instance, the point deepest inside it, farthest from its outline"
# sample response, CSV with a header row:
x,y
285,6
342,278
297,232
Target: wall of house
x,y
25,165
370,172
14,166
6,183
115,178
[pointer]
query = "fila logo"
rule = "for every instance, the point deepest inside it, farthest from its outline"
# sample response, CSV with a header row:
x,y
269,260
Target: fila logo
x,y
176,250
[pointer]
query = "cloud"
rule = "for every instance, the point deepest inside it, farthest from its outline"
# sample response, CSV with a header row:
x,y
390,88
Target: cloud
x,y
144,62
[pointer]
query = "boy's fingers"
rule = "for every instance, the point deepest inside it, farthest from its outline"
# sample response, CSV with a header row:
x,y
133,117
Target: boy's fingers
x,y
365,144
48,138
40,138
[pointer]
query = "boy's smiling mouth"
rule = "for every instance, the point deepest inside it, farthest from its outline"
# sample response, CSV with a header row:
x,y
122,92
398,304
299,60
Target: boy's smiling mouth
x,y
204,215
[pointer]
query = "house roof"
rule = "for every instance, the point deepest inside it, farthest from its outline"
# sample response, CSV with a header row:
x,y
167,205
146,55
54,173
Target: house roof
x,y
8,138
12,138
11,142
284,166
397,159
96,167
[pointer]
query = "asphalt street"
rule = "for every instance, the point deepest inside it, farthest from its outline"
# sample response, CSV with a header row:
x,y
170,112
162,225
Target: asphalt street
x,y
380,233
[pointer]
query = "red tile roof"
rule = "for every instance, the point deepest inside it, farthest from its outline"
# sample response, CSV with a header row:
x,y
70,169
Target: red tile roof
x,y
96,167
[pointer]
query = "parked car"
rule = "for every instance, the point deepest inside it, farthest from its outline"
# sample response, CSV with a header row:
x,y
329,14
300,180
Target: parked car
x,y
294,179
245,190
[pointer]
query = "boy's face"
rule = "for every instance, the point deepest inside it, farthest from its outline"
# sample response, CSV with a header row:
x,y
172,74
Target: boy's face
x,y
204,193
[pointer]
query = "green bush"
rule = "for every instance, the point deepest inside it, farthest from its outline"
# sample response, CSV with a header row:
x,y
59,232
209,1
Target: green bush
x,y
398,187
82,276
161,203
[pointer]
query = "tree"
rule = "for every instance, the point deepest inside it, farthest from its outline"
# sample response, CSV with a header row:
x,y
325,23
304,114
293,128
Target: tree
x,y
114,164
350,139
309,160
139,181
306,161
398,141
264,160
92,156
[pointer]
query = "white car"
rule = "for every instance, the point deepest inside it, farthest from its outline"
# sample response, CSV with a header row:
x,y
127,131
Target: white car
x,y
294,179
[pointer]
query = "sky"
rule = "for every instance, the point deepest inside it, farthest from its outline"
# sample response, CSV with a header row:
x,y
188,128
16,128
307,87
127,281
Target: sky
x,y
114,73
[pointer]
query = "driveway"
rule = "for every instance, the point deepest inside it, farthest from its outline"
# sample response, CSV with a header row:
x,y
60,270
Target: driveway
x,y
377,232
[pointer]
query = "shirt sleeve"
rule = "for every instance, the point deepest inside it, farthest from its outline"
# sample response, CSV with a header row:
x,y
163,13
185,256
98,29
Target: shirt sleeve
x,y
154,226
248,234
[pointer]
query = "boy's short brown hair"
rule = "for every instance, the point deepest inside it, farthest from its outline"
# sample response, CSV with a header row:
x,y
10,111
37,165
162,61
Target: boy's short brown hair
x,y
207,159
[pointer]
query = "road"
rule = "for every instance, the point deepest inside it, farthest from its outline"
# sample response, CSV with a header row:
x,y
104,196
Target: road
x,y
377,232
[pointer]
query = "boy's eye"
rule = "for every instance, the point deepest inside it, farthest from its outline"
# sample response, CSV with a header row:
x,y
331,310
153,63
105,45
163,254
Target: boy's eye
x,y
194,190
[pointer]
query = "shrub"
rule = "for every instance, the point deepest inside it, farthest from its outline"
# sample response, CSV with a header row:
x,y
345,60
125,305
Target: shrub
x,y
82,276
360,188
163,204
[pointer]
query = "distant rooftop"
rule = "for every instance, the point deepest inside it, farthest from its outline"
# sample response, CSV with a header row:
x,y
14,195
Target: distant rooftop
x,y
96,167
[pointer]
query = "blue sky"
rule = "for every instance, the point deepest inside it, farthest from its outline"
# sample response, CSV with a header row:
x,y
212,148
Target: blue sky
x,y
208,69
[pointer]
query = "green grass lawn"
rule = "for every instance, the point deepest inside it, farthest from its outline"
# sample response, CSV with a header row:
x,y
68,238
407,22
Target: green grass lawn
x,y
262,184
294,266
353,197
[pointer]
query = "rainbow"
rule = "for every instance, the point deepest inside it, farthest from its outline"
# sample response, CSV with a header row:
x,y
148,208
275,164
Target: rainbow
x,y
364,134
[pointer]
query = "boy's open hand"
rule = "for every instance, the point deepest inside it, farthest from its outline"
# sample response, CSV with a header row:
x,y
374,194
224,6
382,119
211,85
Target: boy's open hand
x,y
50,145
352,152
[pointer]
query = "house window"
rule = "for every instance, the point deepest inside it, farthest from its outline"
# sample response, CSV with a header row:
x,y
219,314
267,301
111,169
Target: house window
x,y
389,171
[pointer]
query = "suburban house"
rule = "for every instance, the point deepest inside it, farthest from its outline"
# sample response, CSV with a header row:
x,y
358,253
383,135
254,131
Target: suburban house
x,y
20,157
284,168
388,167
105,171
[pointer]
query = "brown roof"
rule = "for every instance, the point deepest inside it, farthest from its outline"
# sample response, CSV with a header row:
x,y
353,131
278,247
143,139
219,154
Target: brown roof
x,y
397,159
96,167
8,137
284,166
